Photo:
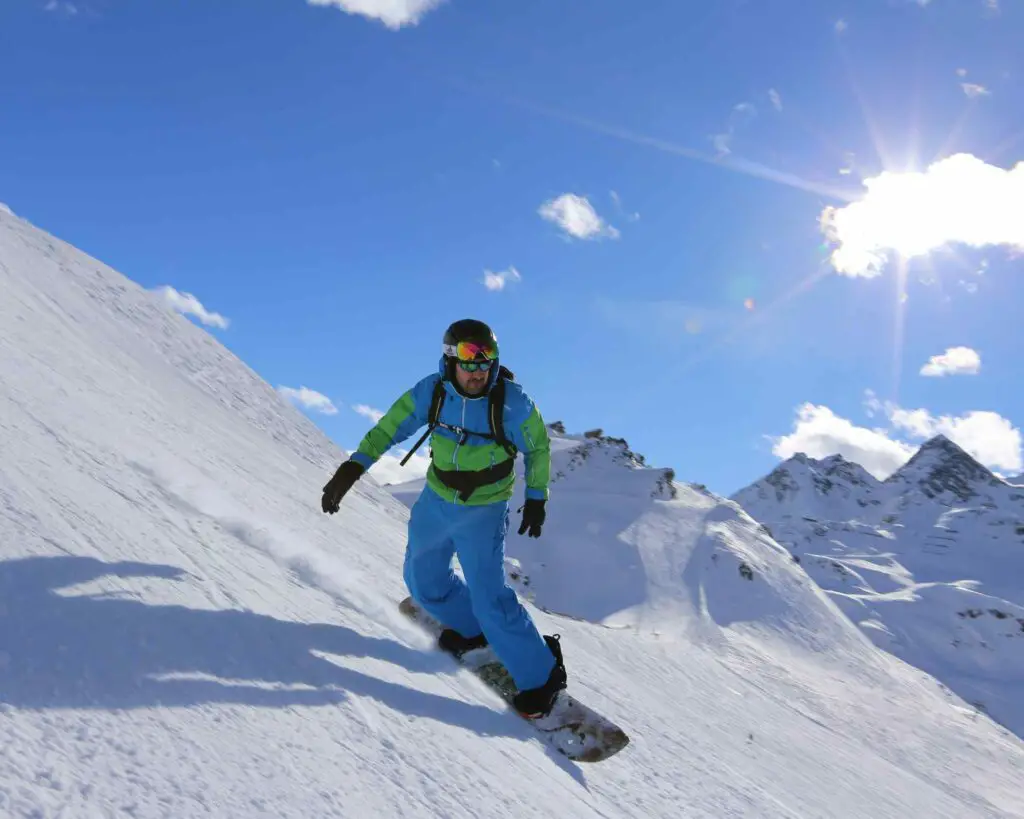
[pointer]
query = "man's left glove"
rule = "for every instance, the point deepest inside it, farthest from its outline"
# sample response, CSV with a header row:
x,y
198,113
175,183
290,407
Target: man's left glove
x,y
533,516
348,473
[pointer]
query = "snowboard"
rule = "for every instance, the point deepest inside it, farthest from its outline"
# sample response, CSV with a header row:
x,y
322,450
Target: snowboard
x,y
573,729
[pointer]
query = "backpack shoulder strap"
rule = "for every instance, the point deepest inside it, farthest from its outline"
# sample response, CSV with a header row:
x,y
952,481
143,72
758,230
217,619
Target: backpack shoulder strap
x,y
436,401
496,411
433,416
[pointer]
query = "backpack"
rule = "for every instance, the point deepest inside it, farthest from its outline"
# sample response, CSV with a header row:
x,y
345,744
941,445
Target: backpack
x,y
495,415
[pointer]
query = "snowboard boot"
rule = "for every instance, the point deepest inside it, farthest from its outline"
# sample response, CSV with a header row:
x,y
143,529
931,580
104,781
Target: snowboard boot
x,y
455,644
534,703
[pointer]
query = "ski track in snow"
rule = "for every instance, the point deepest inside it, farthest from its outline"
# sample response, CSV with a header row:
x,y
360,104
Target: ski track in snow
x,y
183,633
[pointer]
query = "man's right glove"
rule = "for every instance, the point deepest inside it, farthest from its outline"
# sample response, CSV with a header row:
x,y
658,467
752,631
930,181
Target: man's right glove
x,y
348,473
533,516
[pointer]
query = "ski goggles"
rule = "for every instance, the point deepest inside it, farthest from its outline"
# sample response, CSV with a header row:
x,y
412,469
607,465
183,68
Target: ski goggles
x,y
473,366
472,351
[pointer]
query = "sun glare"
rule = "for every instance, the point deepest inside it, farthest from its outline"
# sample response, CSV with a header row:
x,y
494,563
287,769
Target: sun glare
x,y
957,200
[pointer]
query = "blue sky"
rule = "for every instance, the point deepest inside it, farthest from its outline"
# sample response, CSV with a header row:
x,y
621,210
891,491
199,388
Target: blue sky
x,y
649,181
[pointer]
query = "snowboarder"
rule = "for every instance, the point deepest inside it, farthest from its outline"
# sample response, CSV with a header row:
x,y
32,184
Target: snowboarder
x,y
464,508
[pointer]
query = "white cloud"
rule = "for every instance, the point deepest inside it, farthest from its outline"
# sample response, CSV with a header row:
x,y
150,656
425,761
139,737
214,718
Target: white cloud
x,y
392,13
5,209
577,217
841,26
189,305
916,423
741,114
974,90
960,199
872,404
310,399
369,412
389,469
61,7
955,361
961,72
775,98
722,143
497,281
819,432
986,435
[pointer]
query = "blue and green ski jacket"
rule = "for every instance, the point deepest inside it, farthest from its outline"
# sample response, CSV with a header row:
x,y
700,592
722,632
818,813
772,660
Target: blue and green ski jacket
x,y
523,423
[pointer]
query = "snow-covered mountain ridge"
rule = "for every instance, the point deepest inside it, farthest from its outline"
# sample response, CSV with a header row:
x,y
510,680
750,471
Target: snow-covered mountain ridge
x,y
929,562
604,492
944,472
184,634
594,445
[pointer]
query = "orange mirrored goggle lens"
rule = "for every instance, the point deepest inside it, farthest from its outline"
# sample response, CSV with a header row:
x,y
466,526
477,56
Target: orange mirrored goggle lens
x,y
471,351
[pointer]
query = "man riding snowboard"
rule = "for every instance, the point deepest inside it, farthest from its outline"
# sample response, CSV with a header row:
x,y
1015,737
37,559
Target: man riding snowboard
x,y
478,418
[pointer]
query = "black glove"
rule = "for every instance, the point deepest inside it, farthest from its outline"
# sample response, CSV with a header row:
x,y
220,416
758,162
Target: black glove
x,y
533,516
348,473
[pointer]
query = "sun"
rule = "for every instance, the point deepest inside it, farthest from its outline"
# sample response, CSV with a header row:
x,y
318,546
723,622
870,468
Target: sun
x,y
956,201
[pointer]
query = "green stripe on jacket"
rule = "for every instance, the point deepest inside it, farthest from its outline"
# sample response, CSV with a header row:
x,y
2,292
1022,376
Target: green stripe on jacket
x,y
405,416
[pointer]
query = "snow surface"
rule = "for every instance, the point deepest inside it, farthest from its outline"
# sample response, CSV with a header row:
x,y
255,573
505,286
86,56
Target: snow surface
x,y
929,563
184,633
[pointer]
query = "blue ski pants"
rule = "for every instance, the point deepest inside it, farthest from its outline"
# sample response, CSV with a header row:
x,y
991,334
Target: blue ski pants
x,y
484,602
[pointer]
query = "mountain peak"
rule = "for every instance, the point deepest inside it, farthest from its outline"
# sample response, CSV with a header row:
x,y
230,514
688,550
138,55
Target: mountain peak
x,y
941,442
597,439
939,466
812,484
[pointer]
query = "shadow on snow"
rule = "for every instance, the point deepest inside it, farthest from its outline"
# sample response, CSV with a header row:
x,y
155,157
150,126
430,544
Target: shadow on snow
x,y
60,651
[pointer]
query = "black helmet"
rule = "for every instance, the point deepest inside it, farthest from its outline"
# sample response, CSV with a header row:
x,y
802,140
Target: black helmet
x,y
461,338
473,332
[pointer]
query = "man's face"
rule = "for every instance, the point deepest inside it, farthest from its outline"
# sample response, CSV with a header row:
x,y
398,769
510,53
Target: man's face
x,y
472,383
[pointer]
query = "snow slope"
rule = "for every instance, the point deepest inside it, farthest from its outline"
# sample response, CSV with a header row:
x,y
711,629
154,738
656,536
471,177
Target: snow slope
x,y
929,563
183,632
